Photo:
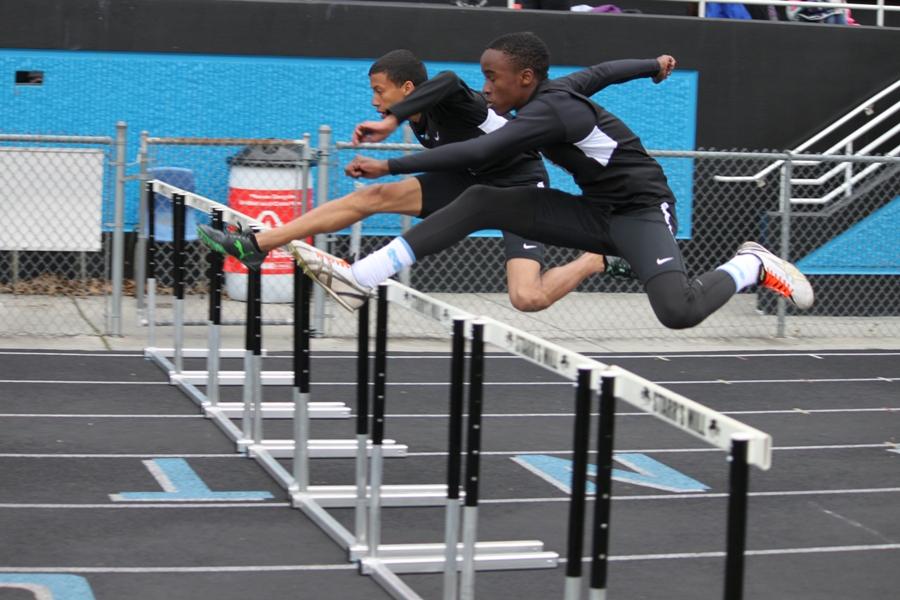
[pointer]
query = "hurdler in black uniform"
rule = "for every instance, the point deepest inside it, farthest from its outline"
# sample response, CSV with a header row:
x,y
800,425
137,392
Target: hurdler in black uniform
x,y
626,207
451,112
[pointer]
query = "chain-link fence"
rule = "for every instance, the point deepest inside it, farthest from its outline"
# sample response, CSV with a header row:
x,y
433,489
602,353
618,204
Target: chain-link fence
x,y
841,229
267,179
59,236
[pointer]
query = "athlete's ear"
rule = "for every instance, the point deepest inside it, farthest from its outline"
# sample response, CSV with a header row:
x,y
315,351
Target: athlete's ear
x,y
526,77
407,87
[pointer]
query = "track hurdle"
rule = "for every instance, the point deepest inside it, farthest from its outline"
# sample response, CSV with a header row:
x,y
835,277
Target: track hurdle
x,y
212,378
187,381
351,496
745,445
456,560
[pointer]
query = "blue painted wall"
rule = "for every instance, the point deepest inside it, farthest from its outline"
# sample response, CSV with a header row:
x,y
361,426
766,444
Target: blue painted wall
x,y
86,93
871,247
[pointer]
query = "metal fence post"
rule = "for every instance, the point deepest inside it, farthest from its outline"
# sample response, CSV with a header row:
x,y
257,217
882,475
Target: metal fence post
x,y
140,247
848,171
118,257
787,170
320,240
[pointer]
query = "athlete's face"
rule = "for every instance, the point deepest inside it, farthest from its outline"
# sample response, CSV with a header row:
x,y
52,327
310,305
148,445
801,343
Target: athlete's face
x,y
386,93
506,87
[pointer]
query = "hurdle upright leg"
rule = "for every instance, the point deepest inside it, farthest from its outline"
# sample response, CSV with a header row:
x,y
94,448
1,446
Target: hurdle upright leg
x,y
178,277
250,374
378,407
301,380
473,462
603,498
451,529
216,277
151,264
362,428
581,437
738,484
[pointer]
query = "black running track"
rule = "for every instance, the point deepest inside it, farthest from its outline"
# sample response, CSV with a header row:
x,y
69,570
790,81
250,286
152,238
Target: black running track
x,y
81,433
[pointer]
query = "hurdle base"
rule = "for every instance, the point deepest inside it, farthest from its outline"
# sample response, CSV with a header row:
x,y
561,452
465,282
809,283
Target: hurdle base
x,y
285,378
438,550
327,523
484,561
285,410
197,352
323,448
188,381
389,581
345,496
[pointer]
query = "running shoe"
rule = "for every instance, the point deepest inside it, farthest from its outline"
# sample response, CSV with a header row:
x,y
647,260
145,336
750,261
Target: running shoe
x,y
618,267
332,273
239,244
780,276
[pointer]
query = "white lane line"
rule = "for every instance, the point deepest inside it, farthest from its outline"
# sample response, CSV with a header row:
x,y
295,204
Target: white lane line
x,y
700,495
792,411
885,445
108,455
601,357
96,416
799,380
494,355
538,500
82,382
748,355
91,354
207,505
353,567
768,552
230,569
487,383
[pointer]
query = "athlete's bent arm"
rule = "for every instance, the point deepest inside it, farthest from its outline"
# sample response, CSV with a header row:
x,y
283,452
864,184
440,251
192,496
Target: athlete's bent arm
x,y
535,126
588,82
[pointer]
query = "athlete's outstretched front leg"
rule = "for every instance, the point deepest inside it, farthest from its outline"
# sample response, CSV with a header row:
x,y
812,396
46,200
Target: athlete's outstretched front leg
x,y
399,197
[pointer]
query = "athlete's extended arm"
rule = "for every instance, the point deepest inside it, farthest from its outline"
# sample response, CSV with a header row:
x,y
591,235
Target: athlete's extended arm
x,y
426,96
591,80
535,126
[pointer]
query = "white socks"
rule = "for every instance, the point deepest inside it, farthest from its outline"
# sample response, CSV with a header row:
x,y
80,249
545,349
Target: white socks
x,y
384,262
744,269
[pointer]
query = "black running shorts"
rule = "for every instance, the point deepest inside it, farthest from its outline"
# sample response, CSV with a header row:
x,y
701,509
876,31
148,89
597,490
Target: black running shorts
x,y
441,188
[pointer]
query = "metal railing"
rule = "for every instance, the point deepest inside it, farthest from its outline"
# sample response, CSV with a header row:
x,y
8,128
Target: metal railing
x,y
846,145
880,8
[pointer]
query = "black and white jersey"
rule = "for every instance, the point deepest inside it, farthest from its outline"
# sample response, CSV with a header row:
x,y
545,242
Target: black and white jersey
x,y
606,159
450,111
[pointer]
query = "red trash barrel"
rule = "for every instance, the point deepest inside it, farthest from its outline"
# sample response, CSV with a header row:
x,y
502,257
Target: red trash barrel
x,y
266,183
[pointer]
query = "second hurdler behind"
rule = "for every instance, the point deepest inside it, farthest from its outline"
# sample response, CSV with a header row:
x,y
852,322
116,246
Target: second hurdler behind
x,y
626,206
444,110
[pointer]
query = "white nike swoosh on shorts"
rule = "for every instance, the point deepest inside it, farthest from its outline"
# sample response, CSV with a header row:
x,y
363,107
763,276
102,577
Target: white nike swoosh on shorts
x,y
527,247
662,261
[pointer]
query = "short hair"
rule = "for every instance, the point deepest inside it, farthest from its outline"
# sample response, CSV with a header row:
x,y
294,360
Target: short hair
x,y
526,50
400,66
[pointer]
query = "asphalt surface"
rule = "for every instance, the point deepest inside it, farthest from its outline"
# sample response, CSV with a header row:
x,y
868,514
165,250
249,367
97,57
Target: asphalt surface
x,y
82,434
